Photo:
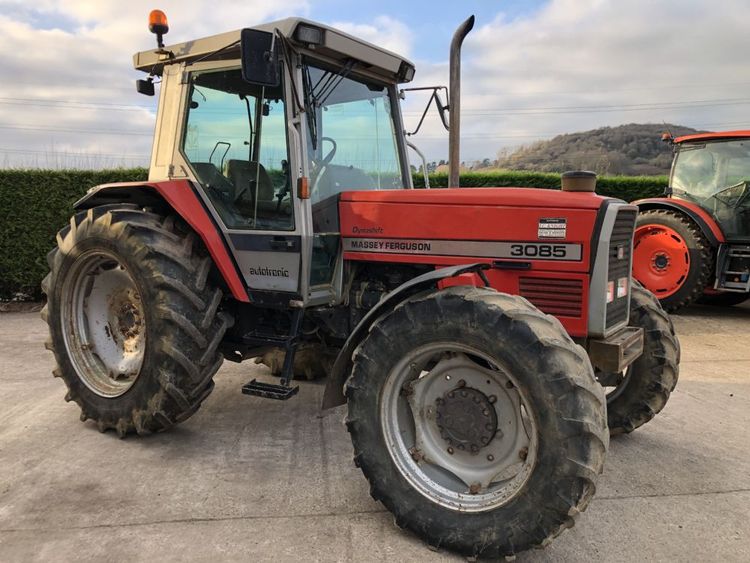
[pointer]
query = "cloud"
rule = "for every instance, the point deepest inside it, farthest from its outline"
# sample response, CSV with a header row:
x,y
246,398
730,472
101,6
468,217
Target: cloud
x,y
569,65
577,64
384,31
68,95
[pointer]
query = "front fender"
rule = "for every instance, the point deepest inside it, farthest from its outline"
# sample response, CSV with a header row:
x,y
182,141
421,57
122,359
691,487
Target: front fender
x,y
334,391
697,214
180,197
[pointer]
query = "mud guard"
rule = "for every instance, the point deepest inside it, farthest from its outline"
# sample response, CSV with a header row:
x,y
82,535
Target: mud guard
x,y
180,197
699,216
333,395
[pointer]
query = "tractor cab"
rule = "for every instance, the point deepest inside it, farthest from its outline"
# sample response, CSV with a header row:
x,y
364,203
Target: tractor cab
x,y
715,174
274,122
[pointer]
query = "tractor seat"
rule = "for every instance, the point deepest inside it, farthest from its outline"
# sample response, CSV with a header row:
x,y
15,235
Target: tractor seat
x,y
243,174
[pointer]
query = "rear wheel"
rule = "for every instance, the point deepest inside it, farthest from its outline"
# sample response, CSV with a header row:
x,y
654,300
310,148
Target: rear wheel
x,y
671,257
723,299
134,322
638,394
477,421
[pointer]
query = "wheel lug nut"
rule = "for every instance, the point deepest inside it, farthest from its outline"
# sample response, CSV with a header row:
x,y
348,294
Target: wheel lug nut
x,y
461,383
474,448
485,412
464,394
490,457
523,454
450,451
488,426
509,385
493,399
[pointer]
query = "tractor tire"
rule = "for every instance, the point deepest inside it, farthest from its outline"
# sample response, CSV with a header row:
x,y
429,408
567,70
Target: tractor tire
x,y
644,388
134,321
723,299
671,257
458,387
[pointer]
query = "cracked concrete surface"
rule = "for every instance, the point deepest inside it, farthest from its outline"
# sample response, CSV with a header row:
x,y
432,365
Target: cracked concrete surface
x,y
253,479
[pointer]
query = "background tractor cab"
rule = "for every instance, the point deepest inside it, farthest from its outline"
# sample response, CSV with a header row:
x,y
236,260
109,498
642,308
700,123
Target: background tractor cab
x,y
694,243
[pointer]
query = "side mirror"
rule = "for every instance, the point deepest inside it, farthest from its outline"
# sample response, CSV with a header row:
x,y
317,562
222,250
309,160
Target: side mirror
x,y
260,57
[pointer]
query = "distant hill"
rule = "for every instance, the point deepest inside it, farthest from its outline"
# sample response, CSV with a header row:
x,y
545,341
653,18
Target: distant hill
x,y
634,149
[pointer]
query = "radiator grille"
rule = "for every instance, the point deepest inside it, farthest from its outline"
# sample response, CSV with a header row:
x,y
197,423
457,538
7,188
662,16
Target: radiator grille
x,y
620,249
562,298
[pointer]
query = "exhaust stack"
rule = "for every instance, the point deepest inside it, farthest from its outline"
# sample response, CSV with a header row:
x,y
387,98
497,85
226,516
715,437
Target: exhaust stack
x,y
454,85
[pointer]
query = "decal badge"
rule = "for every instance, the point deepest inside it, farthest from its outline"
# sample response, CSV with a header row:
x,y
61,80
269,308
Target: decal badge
x,y
552,227
483,249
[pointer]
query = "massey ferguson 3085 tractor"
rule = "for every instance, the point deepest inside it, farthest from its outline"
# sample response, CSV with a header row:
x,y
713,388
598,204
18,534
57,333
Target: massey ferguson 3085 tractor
x,y
694,243
486,341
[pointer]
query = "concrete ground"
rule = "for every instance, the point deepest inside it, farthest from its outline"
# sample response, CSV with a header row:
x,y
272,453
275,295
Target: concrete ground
x,y
253,479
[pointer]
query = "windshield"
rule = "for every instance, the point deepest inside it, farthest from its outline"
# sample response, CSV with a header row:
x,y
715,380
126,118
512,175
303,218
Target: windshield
x,y
351,136
716,176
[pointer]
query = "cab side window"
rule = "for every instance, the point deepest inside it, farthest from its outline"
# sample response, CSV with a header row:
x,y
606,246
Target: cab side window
x,y
235,140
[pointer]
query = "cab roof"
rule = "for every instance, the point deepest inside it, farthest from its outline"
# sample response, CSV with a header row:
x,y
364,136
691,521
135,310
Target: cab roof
x,y
715,136
336,45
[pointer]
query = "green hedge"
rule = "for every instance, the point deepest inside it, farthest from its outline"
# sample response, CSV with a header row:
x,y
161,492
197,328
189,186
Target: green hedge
x,y
37,203
628,188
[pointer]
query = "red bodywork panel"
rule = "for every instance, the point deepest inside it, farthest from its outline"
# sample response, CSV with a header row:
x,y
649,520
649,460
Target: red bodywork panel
x,y
181,196
689,205
698,137
482,215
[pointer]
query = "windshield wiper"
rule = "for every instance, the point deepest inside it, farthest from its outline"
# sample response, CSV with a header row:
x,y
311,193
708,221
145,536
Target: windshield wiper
x,y
317,94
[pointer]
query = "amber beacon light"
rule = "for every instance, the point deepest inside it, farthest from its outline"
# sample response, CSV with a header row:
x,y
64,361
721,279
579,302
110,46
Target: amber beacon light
x,y
157,23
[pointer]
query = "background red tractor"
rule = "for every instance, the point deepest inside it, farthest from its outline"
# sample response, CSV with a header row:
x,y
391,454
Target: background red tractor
x,y
694,243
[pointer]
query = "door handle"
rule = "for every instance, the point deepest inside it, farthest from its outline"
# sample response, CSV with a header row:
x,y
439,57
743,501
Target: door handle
x,y
281,244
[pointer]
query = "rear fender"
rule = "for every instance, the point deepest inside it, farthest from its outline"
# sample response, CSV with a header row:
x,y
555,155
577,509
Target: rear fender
x,y
334,391
708,226
180,197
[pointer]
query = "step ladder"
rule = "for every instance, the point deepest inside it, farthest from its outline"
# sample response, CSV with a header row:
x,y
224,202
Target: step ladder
x,y
284,390
733,268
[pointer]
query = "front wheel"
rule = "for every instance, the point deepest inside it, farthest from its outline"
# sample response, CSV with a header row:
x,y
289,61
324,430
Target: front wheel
x,y
477,421
639,393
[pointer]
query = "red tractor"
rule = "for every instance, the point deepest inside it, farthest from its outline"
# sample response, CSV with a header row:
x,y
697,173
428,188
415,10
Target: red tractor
x,y
486,341
694,243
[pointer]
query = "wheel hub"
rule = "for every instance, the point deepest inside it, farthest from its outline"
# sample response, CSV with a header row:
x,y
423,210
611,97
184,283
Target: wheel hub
x,y
466,418
660,261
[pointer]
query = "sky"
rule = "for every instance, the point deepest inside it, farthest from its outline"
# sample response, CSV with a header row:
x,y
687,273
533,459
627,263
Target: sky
x,y
531,69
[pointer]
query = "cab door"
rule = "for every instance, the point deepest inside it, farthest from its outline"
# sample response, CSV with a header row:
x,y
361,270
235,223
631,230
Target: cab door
x,y
235,144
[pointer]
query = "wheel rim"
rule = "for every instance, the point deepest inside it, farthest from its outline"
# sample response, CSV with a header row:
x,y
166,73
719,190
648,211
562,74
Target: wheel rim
x,y
614,383
458,428
661,259
104,325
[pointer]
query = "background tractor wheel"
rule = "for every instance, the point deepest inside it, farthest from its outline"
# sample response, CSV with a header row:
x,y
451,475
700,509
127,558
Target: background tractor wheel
x,y
311,361
477,421
134,322
723,299
637,395
671,257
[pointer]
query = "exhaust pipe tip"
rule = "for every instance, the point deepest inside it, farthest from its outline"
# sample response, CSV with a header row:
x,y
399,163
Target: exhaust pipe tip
x,y
578,181
454,101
